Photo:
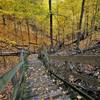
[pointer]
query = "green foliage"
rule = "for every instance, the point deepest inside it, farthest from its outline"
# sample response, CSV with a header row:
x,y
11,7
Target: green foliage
x,y
66,12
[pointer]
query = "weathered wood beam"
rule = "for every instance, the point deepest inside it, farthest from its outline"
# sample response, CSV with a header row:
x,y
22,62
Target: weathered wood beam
x,y
85,59
15,53
9,75
9,53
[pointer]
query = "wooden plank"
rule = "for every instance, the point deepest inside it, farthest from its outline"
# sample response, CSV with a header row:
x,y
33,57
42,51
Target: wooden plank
x,y
18,53
85,59
9,53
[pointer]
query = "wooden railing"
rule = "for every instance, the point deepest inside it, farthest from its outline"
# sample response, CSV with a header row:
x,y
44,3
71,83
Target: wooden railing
x,y
16,75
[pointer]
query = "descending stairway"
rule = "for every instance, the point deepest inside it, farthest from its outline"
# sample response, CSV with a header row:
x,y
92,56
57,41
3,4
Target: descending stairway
x,y
41,85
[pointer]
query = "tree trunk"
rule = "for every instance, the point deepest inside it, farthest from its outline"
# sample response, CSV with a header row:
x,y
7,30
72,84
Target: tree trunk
x,y
36,37
28,31
4,20
81,16
4,60
94,13
51,22
15,29
80,25
21,33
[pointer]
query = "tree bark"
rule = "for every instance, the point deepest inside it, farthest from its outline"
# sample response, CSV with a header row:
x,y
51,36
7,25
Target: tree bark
x,y
28,31
4,20
21,33
82,13
79,35
51,22
15,29
94,13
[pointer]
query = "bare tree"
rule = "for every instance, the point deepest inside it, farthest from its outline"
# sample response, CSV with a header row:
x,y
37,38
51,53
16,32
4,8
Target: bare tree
x,y
51,22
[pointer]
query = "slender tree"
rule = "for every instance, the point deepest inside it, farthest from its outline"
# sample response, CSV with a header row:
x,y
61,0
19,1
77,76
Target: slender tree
x,y
51,22
28,31
81,15
79,35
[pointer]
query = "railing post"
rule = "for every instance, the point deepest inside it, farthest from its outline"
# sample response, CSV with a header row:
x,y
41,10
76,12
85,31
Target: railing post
x,y
43,56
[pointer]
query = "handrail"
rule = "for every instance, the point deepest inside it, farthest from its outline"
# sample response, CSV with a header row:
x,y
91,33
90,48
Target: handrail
x,y
9,53
85,59
7,77
18,53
